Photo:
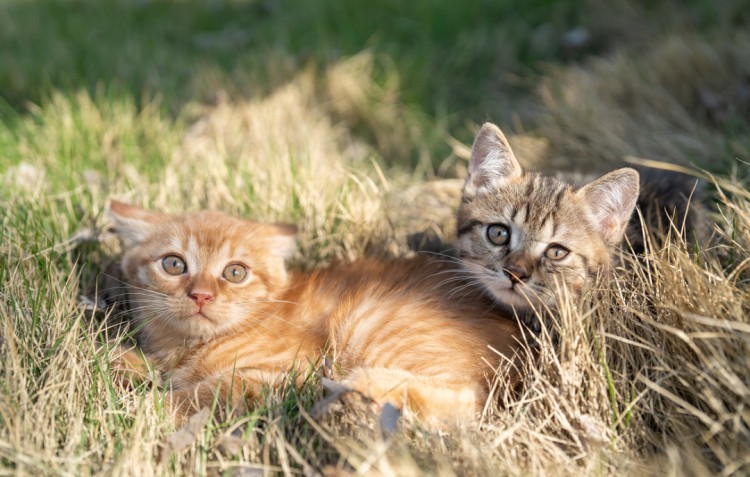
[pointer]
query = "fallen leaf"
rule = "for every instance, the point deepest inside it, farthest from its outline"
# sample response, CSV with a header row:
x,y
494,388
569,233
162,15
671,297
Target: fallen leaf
x,y
388,419
187,434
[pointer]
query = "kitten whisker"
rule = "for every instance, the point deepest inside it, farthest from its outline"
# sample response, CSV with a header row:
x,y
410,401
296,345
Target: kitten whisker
x,y
464,287
253,302
130,285
450,258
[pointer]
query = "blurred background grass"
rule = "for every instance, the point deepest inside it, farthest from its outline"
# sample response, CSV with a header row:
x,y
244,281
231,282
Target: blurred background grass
x,y
445,65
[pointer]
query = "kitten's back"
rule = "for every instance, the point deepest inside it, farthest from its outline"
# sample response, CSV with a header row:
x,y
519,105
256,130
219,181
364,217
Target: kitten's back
x,y
414,331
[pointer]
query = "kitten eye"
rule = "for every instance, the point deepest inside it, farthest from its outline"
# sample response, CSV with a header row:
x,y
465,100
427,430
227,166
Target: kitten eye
x,y
235,273
498,234
556,252
174,265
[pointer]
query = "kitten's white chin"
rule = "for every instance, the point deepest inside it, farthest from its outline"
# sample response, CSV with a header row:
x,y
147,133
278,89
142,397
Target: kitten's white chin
x,y
200,316
199,325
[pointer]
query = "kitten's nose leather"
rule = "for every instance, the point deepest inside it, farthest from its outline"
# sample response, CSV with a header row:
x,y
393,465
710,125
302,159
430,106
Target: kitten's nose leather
x,y
201,298
516,273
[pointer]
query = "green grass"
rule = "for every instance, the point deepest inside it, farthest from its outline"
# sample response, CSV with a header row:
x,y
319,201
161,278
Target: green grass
x,y
449,63
334,115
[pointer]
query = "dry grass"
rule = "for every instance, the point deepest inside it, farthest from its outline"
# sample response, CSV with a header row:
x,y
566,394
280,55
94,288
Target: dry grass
x,y
648,375
680,102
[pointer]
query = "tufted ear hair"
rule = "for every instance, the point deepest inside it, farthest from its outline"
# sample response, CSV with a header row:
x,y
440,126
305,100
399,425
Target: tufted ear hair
x,y
492,162
132,224
610,201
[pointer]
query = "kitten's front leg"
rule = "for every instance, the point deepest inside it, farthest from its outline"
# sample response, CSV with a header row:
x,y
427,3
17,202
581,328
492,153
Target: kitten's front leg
x,y
129,366
227,395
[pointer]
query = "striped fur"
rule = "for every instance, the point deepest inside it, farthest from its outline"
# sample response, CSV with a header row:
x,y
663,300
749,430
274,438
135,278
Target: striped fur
x,y
542,214
410,332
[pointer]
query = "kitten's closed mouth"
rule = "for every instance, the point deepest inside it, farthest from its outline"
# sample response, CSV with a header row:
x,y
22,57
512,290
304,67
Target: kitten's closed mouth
x,y
201,316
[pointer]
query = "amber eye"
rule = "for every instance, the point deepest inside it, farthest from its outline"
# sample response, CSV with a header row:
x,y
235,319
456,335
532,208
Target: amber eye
x,y
174,265
556,252
498,234
235,273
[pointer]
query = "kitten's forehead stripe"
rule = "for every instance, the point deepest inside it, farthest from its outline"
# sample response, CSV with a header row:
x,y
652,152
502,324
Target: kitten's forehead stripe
x,y
559,196
548,228
546,196
529,187
521,214
513,212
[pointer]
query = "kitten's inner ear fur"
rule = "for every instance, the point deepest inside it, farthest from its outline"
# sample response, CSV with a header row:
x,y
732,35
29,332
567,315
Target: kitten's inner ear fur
x,y
285,239
492,162
132,224
610,201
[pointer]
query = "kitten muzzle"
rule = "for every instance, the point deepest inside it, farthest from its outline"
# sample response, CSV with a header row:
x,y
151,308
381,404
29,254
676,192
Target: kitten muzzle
x,y
516,274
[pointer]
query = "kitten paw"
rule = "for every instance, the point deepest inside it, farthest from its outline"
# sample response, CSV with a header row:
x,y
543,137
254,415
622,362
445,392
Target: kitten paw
x,y
341,397
129,367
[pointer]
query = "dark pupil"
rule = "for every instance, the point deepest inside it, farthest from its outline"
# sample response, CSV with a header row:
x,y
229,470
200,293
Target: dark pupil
x,y
498,234
174,265
235,272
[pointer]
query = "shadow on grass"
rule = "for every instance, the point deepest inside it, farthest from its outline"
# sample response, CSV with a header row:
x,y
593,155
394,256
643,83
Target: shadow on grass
x,y
449,56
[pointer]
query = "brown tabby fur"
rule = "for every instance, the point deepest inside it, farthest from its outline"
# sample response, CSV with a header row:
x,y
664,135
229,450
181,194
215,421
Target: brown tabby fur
x,y
541,213
409,332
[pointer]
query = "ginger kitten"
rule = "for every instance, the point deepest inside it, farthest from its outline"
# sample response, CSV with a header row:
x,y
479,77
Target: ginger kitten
x,y
219,311
524,235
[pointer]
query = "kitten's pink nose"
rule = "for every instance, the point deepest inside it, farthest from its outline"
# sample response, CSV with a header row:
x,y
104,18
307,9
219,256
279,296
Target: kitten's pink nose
x,y
516,273
201,298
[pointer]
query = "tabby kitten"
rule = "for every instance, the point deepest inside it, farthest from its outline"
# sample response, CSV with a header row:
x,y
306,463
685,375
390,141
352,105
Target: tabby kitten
x,y
219,310
524,235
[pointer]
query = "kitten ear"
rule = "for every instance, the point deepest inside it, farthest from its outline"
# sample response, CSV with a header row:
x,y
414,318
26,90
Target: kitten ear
x,y
610,201
284,237
492,162
132,224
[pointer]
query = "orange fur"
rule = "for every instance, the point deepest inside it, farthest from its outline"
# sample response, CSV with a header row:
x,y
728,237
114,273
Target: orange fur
x,y
410,332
